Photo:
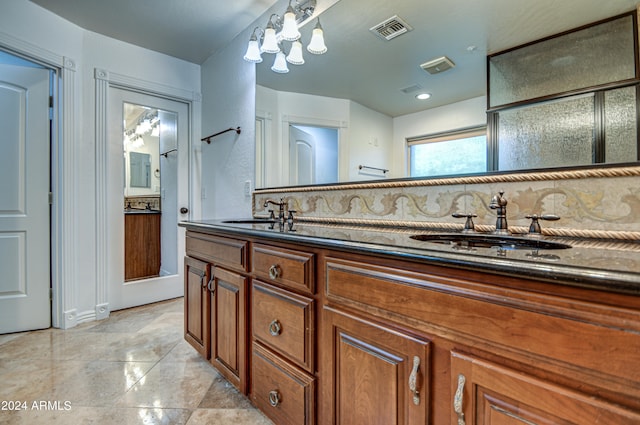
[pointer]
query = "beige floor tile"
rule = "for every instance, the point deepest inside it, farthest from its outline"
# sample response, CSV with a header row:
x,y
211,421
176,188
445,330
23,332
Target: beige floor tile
x,y
97,416
171,385
228,416
132,368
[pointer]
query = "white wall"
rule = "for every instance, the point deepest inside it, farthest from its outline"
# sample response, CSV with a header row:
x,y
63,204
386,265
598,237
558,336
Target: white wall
x,y
366,136
282,108
228,92
370,143
23,23
464,114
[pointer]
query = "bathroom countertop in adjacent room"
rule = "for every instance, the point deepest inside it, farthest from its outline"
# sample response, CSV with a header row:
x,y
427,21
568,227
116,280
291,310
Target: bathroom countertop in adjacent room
x,y
604,265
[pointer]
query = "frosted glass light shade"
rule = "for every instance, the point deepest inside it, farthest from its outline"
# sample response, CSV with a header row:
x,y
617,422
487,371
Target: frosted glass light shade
x,y
280,64
253,51
290,30
143,127
270,42
295,55
316,45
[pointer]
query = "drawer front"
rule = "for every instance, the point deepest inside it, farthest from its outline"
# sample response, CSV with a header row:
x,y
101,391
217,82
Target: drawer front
x,y
218,250
293,269
284,321
280,390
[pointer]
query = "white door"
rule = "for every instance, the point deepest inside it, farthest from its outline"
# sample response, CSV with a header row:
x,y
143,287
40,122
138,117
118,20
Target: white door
x,y
24,199
302,166
173,193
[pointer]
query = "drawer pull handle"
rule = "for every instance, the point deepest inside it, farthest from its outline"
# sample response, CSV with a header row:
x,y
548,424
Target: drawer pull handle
x,y
413,381
274,271
275,328
457,399
274,398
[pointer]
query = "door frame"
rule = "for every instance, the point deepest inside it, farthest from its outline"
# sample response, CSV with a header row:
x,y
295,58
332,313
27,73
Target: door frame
x,y
104,80
343,152
64,214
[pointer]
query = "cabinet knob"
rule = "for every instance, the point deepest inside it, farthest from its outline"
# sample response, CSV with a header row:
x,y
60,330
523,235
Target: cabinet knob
x,y
457,399
274,398
184,210
274,271
275,328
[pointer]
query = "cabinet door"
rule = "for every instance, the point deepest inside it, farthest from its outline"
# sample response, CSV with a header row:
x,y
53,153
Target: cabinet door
x,y
196,305
228,326
488,394
380,376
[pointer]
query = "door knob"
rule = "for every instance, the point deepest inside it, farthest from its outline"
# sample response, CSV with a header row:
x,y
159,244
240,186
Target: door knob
x,y
184,210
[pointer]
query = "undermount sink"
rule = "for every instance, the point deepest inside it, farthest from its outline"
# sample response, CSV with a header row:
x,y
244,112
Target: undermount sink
x,y
482,240
251,221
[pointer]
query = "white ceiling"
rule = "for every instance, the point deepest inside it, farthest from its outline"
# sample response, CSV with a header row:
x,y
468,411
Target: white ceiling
x,y
358,65
188,29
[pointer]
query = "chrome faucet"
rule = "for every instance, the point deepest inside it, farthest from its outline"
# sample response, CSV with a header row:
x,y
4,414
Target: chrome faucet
x,y
499,203
281,205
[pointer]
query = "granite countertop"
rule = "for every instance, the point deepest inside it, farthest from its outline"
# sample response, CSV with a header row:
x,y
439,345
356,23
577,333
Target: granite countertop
x,y
141,211
602,265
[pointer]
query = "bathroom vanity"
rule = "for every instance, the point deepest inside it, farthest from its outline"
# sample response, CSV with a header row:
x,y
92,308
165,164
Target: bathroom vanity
x,y
333,324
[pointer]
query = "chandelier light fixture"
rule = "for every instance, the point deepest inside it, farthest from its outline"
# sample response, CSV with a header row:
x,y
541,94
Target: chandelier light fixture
x,y
286,29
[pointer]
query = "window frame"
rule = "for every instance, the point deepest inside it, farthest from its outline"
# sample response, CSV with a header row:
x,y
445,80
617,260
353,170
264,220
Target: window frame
x,y
445,136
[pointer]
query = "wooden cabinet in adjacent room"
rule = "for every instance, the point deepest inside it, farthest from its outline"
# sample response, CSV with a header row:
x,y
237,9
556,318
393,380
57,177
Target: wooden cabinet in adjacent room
x,y
142,254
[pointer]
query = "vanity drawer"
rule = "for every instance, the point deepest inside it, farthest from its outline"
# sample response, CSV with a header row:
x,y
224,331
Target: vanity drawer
x,y
218,250
280,390
293,269
284,321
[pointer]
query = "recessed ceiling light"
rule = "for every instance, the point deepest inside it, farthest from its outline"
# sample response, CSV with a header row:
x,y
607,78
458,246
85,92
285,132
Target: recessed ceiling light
x,y
423,96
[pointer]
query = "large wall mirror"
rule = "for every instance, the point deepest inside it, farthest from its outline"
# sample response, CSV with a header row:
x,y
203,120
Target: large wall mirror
x,y
364,87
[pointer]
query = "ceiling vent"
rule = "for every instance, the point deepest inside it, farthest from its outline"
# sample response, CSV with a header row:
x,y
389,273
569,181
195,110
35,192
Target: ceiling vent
x,y
438,65
411,89
391,28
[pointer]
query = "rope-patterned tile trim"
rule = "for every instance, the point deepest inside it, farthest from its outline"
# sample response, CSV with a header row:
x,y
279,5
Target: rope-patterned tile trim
x,y
563,233
506,178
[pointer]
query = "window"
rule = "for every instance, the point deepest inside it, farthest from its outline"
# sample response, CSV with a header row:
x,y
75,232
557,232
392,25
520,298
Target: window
x,y
458,152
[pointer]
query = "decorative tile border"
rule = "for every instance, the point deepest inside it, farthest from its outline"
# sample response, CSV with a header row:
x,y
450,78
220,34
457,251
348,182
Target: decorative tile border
x,y
592,203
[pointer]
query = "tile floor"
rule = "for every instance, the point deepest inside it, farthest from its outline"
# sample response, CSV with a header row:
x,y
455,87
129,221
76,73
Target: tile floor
x,y
132,368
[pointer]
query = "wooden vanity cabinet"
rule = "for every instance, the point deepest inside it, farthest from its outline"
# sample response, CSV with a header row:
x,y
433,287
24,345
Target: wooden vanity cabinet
x,y
223,303
377,375
228,294
486,393
283,382
333,336
196,305
502,351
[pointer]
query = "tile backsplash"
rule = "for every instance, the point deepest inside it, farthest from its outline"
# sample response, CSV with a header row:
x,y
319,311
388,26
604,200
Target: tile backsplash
x,y
592,203
141,202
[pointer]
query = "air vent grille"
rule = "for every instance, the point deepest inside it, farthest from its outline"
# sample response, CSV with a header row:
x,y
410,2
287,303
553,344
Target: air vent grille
x,y
391,28
438,65
411,89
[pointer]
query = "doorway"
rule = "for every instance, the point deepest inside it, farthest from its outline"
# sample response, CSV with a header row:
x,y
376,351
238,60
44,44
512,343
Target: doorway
x,y
313,154
25,232
148,143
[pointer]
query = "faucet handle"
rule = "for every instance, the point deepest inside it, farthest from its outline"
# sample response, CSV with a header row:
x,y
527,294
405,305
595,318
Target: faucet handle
x,y
469,226
534,228
271,215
